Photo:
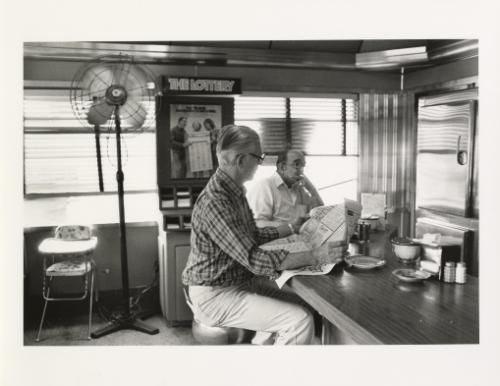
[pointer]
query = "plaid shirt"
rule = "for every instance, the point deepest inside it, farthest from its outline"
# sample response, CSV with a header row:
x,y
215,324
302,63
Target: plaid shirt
x,y
225,239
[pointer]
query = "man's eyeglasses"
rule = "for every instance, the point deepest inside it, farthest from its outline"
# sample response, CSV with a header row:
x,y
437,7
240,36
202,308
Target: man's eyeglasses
x,y
260,158
297,164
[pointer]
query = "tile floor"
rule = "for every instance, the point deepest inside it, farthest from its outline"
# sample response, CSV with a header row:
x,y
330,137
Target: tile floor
x,y
72,331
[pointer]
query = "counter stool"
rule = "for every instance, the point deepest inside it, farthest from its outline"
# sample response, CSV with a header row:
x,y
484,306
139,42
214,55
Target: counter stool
x,y
68,254
210,335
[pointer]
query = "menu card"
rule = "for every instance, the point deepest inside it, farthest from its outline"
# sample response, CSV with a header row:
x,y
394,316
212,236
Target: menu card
x,y
373,204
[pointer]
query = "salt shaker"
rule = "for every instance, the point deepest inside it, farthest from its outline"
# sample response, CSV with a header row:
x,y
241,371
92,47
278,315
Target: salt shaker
x,y
460,273
449,272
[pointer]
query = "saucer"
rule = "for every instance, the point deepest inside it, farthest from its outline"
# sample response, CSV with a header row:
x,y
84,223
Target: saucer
x,y
364,262
410,275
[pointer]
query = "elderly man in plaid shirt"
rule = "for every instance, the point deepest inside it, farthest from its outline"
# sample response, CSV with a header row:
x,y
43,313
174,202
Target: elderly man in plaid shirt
x,y
225,257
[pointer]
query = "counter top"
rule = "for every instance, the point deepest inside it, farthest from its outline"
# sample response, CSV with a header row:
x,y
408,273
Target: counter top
x,y
374,307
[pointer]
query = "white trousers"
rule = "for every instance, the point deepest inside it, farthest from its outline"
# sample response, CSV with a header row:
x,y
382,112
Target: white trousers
x,y
254,306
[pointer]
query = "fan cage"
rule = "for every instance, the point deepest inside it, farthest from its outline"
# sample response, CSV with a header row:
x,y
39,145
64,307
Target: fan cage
x,y
92,80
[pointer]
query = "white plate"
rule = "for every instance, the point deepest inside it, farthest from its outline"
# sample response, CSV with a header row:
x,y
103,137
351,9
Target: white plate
x,y
364,262
410,275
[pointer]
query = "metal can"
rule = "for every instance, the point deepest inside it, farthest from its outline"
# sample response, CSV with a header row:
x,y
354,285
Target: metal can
x,y
364,231
364,248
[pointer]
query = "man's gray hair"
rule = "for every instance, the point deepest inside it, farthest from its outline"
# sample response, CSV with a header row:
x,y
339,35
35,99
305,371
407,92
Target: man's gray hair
x,y
234,140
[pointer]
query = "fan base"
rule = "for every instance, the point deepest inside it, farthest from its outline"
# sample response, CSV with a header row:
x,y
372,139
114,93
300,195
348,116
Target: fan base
x,y
128,324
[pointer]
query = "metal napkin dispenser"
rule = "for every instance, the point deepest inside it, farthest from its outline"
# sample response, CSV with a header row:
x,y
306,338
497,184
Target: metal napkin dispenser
x,y
434,257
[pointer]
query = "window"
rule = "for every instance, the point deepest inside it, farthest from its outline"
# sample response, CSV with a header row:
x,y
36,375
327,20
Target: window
x,y
267,116
60,152
326,126
326,129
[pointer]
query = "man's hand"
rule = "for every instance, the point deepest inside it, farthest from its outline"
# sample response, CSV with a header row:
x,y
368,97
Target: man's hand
x,y
306,182
325,254
286,229
298,223
298,260
332,252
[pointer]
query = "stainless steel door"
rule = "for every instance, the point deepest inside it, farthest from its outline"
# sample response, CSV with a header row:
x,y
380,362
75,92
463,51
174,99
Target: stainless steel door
x,y
444,157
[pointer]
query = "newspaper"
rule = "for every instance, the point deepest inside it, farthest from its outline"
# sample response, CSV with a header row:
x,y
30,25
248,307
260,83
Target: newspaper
x,y
332,223
328,228
312,270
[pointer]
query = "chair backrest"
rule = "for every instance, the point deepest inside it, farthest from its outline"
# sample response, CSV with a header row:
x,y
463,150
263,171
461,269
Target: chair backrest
x,y
73,232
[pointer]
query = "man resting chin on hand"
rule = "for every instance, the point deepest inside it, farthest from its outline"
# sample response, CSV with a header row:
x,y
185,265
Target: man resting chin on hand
x,y
286,196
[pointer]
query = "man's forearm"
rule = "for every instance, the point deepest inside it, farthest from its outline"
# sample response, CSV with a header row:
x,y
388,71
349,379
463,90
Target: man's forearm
x,y
327,253
298,259
316,198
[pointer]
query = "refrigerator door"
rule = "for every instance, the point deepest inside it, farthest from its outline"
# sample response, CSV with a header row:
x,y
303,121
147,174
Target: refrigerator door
x,y
444,157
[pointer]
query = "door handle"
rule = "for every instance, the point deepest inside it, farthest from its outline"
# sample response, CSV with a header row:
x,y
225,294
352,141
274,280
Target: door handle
x,y
462,157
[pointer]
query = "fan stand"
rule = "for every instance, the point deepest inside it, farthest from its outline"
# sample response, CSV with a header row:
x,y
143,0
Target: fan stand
x,y
128,319
98,156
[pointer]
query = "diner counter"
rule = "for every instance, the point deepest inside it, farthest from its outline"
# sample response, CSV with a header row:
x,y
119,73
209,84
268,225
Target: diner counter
x,y
374,307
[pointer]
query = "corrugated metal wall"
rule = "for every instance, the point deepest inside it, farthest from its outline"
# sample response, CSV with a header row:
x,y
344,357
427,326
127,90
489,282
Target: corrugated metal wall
x,y
387,151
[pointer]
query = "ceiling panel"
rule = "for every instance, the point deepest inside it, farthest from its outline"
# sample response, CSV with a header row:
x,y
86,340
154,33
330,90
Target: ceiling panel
x,y
370,45
311,54
251,44
332,46
349,46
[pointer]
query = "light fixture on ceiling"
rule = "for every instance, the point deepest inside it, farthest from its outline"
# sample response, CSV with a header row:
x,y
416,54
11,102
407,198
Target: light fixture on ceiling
x,y
391,58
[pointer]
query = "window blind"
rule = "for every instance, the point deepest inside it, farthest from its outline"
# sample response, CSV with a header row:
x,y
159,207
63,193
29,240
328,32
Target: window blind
x,y
352,128
321,126
325,128
267,116
60,152
318,126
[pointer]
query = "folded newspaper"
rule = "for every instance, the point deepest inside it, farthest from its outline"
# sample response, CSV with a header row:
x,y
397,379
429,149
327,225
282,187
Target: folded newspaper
x,y
327,228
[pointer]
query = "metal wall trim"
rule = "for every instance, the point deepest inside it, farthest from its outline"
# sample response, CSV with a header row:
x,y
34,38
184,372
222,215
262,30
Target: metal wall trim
x,y
387,150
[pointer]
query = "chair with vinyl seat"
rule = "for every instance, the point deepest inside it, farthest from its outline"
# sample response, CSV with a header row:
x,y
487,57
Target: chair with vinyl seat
x,y
68,254
213,335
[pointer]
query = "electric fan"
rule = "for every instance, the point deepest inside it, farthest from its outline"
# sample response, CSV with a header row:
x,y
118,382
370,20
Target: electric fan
x,y
114,90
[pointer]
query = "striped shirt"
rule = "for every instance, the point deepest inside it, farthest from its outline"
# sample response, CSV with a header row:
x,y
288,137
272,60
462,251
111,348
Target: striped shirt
x,y
225,240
